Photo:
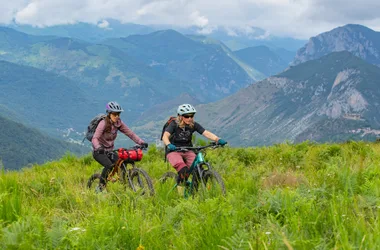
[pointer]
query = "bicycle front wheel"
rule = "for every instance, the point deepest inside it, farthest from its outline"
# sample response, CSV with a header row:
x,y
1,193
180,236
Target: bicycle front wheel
x,y
140,182
212,184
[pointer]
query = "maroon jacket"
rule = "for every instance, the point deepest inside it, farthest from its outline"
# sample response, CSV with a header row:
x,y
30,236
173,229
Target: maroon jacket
x,y
107,139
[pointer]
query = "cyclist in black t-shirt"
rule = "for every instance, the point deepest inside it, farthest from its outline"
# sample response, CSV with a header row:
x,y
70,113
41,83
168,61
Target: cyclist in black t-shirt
x,y
179,134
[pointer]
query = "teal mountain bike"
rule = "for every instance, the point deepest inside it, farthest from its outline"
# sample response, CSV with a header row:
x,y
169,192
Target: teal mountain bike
x,y
202,179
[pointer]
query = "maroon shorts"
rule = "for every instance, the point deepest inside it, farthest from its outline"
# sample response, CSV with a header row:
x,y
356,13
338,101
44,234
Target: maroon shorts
x,y
180,160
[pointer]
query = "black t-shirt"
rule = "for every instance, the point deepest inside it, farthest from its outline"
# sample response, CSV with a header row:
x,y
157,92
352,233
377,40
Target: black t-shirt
x,y
182,136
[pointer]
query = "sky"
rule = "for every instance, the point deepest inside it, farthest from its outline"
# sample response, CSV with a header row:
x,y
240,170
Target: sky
x,y
299,19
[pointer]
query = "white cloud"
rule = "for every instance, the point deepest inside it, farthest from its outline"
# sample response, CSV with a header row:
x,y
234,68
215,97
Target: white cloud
x,y
104,24
198,20
9,9
296,18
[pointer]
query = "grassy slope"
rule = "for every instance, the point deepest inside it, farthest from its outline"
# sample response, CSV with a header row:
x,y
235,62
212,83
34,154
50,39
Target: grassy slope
x,y
302,196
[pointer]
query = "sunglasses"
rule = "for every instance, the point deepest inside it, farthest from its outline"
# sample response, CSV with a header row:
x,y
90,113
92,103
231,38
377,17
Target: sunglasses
x,y
116,114
188,116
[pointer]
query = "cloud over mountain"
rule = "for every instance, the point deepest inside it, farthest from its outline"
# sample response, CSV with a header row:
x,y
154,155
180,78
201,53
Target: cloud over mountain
x,y
300,18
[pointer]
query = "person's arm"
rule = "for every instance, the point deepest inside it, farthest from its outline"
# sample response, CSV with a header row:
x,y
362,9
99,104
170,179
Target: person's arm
x,y
128,132
210,136
165,138
168,132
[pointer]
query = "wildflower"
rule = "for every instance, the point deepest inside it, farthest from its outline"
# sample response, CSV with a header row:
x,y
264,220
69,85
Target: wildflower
x,y
140,247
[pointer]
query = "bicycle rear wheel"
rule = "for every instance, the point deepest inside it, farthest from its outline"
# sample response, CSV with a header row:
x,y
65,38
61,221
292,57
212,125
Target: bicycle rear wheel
x,y
140,182
212,184
94,178
169,177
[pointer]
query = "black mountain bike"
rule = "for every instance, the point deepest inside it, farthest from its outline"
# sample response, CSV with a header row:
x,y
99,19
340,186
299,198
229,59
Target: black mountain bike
x,y
202,177
126,172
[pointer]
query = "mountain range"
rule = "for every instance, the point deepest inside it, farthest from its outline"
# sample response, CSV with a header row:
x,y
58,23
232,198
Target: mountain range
x,y
196,62
139,71
57,84
357,39
42,99
333,98
296,104
249,96
235,38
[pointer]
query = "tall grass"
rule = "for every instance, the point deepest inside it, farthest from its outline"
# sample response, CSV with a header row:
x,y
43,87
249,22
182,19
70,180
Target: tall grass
x,y
302,196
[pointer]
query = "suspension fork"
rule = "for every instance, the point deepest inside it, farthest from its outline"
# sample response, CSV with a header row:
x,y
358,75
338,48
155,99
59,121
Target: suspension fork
x,y
201,170
129,175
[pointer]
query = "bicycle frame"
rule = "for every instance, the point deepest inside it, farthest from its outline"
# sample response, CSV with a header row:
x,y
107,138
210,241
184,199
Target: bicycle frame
x,y
199,159
116,170
195,167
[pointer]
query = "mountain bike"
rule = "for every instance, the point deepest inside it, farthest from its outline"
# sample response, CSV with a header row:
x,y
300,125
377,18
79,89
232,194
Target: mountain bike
x,y
125,171
202,177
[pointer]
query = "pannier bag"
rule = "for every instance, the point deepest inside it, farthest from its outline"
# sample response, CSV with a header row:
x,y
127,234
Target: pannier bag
x,y
130,154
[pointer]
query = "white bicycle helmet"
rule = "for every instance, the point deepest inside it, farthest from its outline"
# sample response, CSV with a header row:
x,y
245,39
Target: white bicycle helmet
x,y
113,107
186,109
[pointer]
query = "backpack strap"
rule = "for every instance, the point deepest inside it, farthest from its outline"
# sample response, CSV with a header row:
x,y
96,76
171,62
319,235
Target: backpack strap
x,y
171,119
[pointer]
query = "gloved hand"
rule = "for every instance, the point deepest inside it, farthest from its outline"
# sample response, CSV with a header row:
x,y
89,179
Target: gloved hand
x,y
222,142
171,147
100,150
144,145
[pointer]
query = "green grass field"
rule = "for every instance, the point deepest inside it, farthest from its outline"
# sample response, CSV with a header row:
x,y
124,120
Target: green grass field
x,y
302,196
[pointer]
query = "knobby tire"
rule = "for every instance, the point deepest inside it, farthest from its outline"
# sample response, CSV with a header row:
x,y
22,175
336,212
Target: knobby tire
x,y
212,182
140,181
93,178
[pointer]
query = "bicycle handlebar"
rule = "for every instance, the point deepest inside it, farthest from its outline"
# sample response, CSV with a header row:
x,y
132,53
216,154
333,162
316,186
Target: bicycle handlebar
x,y
184,149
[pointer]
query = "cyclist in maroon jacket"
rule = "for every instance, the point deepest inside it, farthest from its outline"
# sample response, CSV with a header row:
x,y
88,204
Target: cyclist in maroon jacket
x,y
104,139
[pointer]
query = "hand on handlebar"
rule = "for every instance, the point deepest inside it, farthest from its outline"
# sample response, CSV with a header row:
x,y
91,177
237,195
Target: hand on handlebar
x,y
222,142
171,147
